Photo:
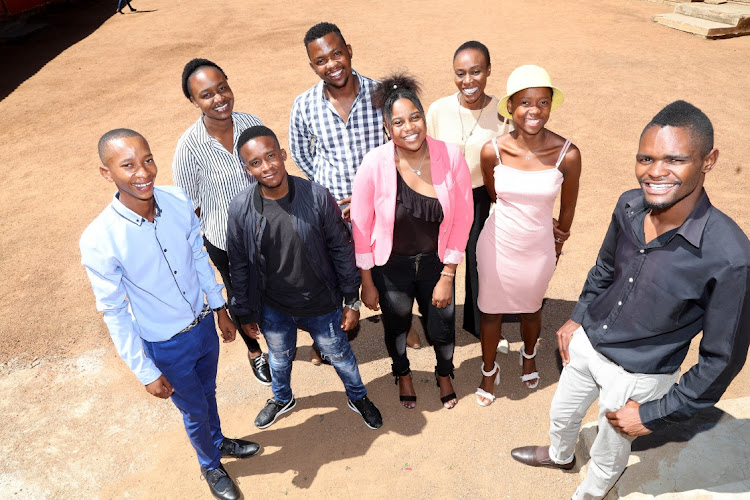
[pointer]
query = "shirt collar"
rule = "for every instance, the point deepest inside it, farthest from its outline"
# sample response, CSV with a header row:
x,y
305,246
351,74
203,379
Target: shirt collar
x,y
320,88
692,229
257,199
202,135
128,214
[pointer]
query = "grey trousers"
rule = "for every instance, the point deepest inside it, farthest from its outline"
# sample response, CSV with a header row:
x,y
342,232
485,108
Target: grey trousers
x,y
590,375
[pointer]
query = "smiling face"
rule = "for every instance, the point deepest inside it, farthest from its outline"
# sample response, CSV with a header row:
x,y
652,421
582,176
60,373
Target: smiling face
x,y
130,165
670,167
264,159
331,59
407,126
470,72
530,109
210,92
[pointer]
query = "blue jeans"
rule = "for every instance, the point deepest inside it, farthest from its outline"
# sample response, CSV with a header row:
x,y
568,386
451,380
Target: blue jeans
x,y
280,331
189,361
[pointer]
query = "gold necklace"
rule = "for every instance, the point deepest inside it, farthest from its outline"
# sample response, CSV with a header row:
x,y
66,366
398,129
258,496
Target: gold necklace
x,y
465,138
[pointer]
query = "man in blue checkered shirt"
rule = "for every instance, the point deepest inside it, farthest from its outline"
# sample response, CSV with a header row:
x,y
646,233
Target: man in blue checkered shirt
x,y
333,124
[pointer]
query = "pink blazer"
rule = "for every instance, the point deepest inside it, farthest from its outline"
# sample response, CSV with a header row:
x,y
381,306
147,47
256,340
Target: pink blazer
x,y
374,203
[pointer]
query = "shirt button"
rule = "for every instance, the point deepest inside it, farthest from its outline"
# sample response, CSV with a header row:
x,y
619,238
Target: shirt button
x,y
630,280
641,250
604,327
175,272
619,302
183,293
165,250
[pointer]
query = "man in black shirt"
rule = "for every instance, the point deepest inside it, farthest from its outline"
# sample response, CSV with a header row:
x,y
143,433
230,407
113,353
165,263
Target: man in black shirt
x,y
670,266
291,261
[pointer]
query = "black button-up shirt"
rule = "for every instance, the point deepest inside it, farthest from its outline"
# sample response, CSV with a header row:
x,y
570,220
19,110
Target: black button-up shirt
x,y
644,302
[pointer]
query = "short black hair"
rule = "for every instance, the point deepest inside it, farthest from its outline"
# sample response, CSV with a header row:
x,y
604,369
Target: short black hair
x,y
683,114
112,135
390,89
256,131
320,30
473,44
191,67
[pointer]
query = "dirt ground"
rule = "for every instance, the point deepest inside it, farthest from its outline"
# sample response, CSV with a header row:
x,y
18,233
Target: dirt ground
x,y
78,424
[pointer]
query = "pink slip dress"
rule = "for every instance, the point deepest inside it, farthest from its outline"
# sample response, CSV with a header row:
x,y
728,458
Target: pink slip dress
x,y
516,248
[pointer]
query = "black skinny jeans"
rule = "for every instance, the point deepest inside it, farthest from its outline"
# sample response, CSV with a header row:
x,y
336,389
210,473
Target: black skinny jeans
x,y
221,260
401,280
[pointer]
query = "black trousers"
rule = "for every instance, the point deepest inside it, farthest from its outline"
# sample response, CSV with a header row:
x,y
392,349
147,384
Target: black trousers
x,y
482,203
401,280
221,260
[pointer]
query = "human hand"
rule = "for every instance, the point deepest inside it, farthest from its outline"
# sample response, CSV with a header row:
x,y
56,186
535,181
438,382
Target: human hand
x,y
370,296
345,211
560,235
226,326
442,294
161,388
564,334
252,330
627,420
349,319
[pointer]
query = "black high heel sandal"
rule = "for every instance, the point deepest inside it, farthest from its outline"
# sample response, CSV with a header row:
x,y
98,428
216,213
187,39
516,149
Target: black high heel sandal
x,y
405,398
447,397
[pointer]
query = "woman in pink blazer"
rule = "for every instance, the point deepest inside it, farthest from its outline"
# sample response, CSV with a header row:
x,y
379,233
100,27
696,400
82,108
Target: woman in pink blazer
x,y
411,214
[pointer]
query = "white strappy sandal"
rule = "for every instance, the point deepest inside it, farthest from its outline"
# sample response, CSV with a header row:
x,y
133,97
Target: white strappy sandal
x,y
503,347
481,393
529,376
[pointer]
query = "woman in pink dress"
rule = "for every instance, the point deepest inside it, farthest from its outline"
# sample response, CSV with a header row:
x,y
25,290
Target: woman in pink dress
x,y
518,248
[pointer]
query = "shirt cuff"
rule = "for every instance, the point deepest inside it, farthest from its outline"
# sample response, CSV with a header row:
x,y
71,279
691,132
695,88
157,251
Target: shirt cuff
x,y
147,372
453,256
351,297
215,300
650,416
245,319
578,312
365,260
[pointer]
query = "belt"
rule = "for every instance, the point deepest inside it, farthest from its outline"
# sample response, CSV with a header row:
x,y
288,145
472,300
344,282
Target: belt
x,y
204,312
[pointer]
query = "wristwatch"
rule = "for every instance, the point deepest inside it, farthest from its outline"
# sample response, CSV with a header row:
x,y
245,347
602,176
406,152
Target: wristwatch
x,y
354,306
220,308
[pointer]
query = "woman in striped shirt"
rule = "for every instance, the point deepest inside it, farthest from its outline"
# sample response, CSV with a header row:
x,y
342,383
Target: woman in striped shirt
x,y
207,166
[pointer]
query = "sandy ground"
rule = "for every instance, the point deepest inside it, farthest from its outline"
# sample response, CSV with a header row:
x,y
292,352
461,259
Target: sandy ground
x,y
76,423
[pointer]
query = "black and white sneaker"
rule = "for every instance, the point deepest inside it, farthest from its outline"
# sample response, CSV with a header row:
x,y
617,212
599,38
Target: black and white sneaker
x,y
368,410
272,411
261,369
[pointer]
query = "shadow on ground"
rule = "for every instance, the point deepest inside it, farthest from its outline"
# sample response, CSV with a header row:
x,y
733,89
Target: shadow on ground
x,y
30,41
327,436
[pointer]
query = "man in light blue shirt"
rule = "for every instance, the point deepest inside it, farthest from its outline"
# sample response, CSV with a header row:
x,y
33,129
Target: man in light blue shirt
x,y
148,270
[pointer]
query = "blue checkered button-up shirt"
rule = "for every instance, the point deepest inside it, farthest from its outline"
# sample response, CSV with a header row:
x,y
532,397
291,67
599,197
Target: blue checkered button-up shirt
x,y
327,149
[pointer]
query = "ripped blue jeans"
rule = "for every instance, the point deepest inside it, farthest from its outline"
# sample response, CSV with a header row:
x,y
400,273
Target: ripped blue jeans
x,y
280,332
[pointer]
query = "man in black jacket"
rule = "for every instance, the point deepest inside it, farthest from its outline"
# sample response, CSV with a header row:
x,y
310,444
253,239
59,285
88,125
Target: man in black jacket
x,y
291,260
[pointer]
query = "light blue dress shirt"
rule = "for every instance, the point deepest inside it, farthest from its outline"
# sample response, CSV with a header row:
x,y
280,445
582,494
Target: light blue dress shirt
x,y
148,277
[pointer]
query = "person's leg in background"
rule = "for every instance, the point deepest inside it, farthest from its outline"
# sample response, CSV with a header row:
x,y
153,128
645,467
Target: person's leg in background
x,y
258,361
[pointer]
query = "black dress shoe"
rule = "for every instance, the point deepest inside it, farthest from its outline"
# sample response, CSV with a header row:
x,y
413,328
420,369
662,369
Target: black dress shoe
x,y
261,368
538,456
221,485
238,448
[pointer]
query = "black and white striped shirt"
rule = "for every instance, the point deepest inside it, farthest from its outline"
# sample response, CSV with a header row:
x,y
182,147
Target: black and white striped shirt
x,y
325,148
210,175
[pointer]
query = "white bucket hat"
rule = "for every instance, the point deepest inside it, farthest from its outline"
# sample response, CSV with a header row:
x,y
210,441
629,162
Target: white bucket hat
x,y
526,77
